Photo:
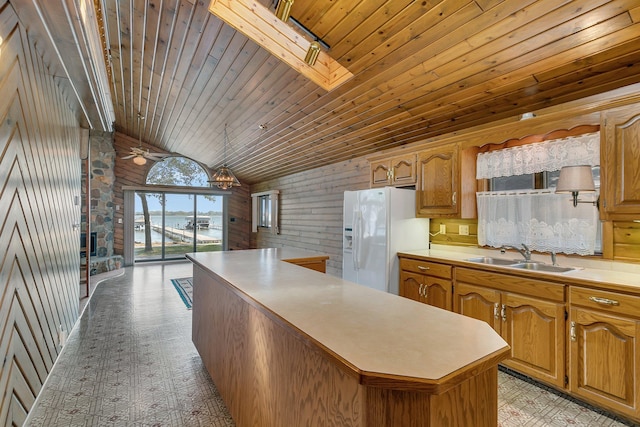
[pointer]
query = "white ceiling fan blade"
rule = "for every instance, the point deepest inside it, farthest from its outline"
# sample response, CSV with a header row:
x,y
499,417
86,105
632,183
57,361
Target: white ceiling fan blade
x,y
155,159
131,156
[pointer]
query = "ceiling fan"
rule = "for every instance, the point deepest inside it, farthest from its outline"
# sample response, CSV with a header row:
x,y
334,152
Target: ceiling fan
x,y
141,155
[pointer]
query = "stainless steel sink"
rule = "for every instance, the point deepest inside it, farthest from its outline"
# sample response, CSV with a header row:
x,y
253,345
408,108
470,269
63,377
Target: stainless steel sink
x,y
490,260
523,265
541,267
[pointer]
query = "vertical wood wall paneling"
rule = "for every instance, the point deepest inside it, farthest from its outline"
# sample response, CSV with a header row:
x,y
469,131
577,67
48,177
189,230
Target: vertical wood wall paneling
x,y
129,174
311,209
40,179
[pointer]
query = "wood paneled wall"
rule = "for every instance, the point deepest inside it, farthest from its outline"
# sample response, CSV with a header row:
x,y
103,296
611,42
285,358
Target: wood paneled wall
x,y
311,209
40,180
129,174
626,241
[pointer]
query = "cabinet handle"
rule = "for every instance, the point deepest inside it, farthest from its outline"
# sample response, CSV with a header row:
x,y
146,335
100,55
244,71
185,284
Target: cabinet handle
x,y
503,313
572,331
453,197
496,311
422,268
390,174
604,301
420,290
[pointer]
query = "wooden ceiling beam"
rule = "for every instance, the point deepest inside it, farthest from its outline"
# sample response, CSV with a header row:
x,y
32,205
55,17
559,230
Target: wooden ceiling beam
x,y
263,27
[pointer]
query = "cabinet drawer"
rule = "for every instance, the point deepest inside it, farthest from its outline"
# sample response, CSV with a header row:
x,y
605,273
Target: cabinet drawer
x,y
426,267
612,302
512,283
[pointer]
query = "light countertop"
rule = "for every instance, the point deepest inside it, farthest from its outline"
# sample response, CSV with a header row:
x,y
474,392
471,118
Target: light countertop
x,y
603,274
373,332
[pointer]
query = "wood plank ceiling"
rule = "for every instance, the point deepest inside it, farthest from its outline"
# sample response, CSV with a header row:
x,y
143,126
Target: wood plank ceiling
x,y
421,68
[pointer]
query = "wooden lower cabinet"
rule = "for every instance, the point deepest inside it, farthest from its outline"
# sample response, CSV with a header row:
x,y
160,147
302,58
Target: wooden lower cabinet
x,y
533,326
426,282
315,263
535,329
604,353
478,302
580,339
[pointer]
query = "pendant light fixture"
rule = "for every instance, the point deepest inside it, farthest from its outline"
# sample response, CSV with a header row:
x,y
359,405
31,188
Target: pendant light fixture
x,y
223,178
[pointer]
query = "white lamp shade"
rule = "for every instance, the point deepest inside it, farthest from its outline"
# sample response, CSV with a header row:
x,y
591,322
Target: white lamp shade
x,y
575,179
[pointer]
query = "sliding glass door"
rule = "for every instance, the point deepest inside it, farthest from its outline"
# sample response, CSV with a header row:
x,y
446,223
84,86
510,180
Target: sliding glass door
x,y
168,225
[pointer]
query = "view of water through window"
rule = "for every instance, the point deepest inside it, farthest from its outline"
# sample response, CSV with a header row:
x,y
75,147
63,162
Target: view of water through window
x,y
169,224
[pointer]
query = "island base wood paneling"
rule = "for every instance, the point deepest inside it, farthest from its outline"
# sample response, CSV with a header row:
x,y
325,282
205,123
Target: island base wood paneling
x,y
451,408
269,374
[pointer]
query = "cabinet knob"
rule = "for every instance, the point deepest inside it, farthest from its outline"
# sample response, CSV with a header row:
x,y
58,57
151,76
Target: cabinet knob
x,y
604,301
423,268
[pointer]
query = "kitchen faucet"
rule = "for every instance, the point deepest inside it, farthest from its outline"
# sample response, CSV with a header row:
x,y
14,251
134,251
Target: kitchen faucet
x,y
525,252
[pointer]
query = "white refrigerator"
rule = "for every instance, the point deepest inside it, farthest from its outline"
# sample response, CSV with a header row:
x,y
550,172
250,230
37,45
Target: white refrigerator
x,y
377,224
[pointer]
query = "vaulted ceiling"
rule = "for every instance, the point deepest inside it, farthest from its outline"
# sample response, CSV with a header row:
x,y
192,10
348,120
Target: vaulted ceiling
x,y
420,69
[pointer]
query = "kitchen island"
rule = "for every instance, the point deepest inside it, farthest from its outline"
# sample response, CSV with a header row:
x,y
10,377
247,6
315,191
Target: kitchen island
x,y
288,346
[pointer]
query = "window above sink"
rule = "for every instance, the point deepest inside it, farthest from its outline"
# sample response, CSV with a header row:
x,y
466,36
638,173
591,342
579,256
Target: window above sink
x,y
522,206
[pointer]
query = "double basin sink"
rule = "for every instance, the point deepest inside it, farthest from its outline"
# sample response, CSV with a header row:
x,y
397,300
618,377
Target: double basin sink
x,y
522,265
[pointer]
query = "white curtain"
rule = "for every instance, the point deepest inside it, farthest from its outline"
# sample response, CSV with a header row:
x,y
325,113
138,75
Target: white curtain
x,y
539,157
541,219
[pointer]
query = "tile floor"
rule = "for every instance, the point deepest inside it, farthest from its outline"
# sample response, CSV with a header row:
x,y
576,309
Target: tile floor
x,y
130,362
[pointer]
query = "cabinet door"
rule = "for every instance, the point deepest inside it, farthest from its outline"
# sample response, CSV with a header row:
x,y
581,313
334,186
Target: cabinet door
x,y
437,189
604,359
620,154
478,302
438,292
403,170
411,285
380,175
535,330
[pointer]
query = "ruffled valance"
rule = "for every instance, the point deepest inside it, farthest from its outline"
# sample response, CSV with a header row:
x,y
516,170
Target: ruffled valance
x,y
539,157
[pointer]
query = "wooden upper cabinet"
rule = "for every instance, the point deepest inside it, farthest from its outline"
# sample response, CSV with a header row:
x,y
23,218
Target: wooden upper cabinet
x,y
396,171
620,161
438,185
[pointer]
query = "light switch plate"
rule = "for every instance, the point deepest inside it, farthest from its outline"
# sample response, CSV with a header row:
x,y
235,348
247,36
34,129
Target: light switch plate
x,y
463,230
443,229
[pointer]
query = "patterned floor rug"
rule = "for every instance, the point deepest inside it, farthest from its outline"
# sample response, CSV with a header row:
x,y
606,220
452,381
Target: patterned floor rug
x,y
184,287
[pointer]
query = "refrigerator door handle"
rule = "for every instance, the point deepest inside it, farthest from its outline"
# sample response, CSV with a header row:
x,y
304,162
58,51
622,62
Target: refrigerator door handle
x,y
356,240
